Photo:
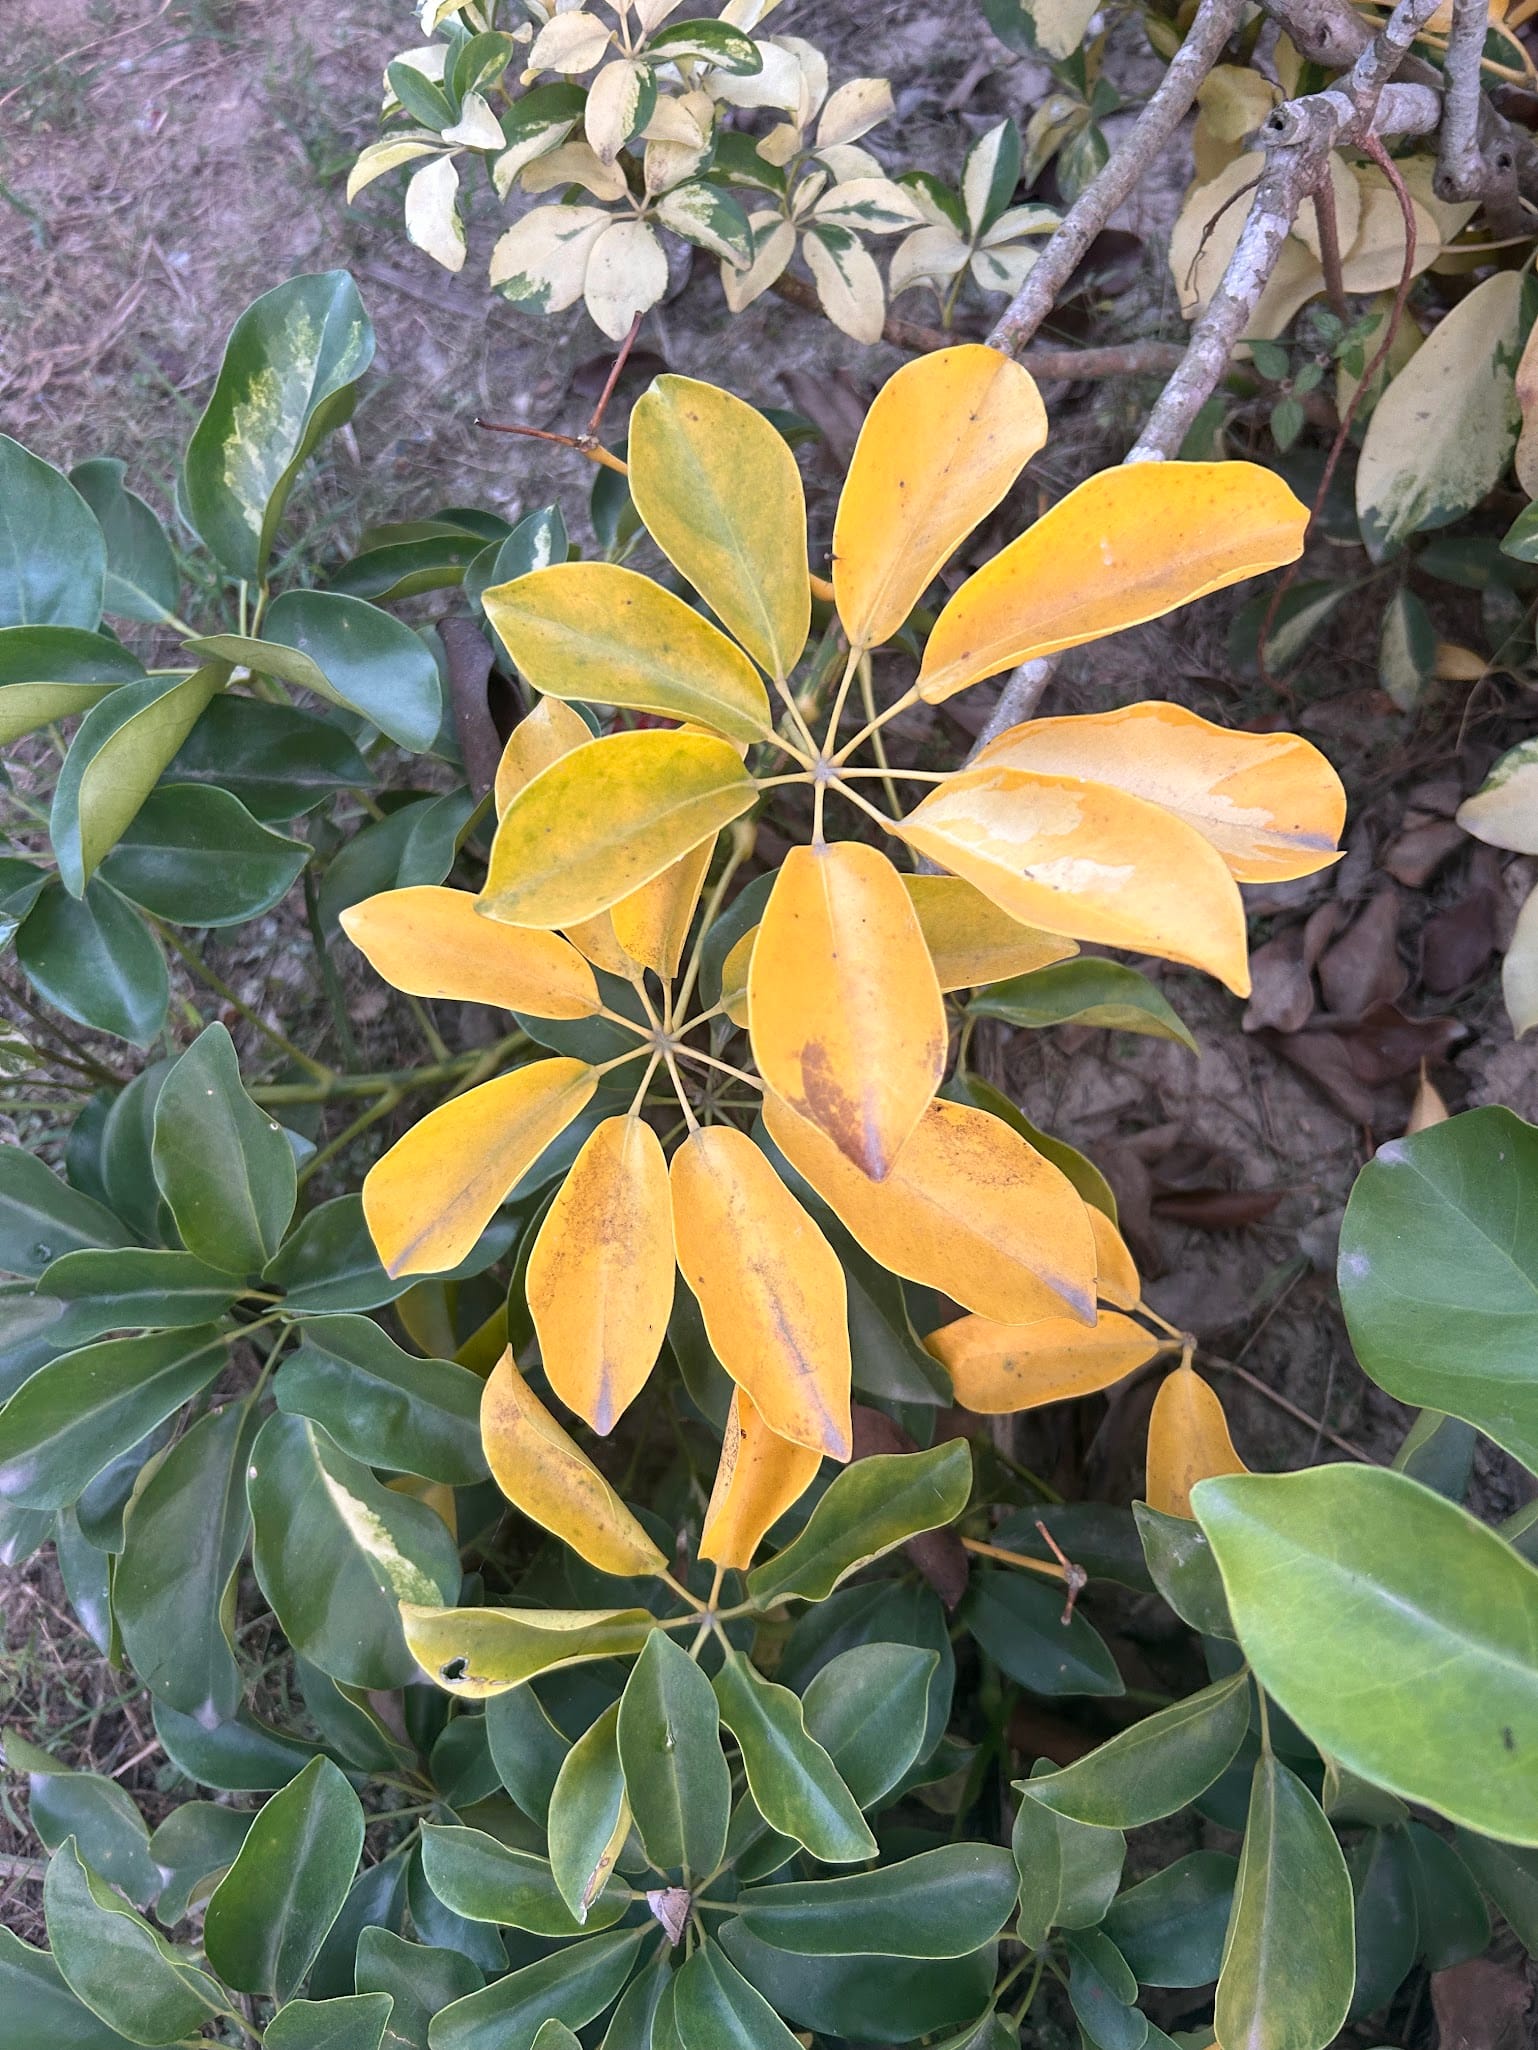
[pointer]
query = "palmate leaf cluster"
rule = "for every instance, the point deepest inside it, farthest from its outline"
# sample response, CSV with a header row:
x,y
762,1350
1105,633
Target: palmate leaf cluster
x,y
654,1643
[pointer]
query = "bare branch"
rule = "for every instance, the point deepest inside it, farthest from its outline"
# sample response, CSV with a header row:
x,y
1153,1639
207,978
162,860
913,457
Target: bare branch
x,y
1330,32
1214,23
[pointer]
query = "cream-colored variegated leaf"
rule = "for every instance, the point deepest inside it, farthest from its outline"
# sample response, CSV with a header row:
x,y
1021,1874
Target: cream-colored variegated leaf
x,y
616,106
854,110
477,127
575,163
651,14
626,273
530,145
868,206
1519,971
429,60
989,161
388,155
929,256
703,214
1503,812
684,118
776,84
1059,26
1003,268
432,213
570,42
1527,400
774,244
848,282
542,260
1021,220
666,164
1374,262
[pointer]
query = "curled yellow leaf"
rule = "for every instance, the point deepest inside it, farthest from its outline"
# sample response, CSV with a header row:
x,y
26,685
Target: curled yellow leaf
x,y
542,1472
997,1369
1188,1442
1268,802
1116,1276
971,941
600,1277
969,1208
770,1287
1128,545
431,1196
652,923
429,942
846,1016
759,1476
606,818
946,437
720,494
1090,861
594,631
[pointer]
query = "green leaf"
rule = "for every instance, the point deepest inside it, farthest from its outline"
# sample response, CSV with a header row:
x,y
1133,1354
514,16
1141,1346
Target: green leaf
x,y
355,2021
1407,649
224,1166
1184,1570
1101,1990
1510,1877
714,2004
419,1978
1288,1959
527,1750
194,855
1382,1872
480,1652
243,1756
1439,1273
141,581
1449,1913
941,1904
42,1218
716,43
381,1404
63,654
538,540
94,961
487,1881
675,1771
328,1263
336,1553
1356,1568
120,750
278,761
794,1783
116,1963
1157,1767
125,1172
868,1709
1069,1871
868,1509
588,1814
554,2035
87,1576
137,1288
1170,1928
1086,991
636,2023
1018,1621
108,1829
288,377
63,1425
41,2007
364,658
197,1841
376,1897
572,1986
891,2000
269,1914
173,1593
347,1723
53,561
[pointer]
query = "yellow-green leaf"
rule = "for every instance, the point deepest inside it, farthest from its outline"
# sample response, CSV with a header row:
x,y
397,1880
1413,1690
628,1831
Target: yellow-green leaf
x,y
1268,802
479,1652
997,1369
1090,861
946,437
721,496
759,1477
1188,1442
433,1194
594,631
848,1023
971,941
969,1208
1130,544
770,1287
551,730
429,941
541,1471
606,818
600,1278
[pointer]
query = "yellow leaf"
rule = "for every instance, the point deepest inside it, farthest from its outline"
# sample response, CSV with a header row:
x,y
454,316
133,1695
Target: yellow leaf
x,y
971,941
1188,1442
433,1194
1130,544
652,923
429,942
1268,802
594,631
541,1471
970,1208
600,1279
1116,1276
1090,861
946,437
734,979
759,1477
605,819
847,1020
770,1287
721,496
476,1653
997,1369
551,730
